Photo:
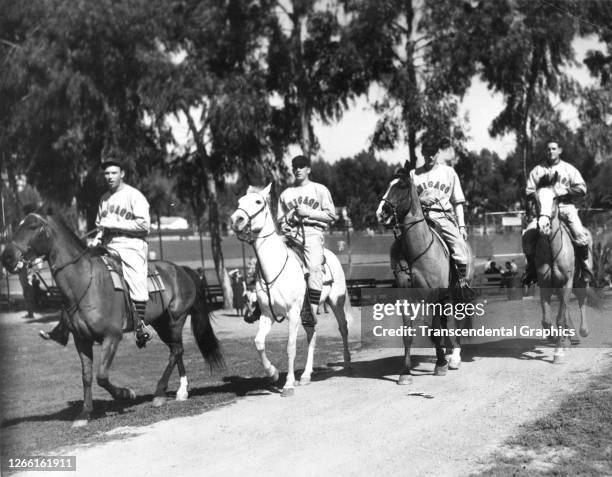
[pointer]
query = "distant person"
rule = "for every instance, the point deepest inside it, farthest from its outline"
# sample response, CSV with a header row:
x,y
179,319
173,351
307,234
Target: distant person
x,y
37,291
493,269
238,291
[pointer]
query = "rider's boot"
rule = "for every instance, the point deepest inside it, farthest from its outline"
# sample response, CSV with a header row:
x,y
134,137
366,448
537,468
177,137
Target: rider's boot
x,y
583,255
252,313
309,309
60,333
530,277
143,331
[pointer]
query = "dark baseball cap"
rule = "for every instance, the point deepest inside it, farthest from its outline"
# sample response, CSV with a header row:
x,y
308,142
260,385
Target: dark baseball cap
x,y
112,160
300,161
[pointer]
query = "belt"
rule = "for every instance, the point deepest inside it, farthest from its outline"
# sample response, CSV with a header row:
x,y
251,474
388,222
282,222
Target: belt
x,y
110,235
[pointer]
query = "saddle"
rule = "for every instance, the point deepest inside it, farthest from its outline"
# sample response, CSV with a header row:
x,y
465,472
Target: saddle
x,y
155,284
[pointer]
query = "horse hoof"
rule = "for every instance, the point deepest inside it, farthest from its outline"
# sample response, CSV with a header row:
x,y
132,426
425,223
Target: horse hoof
x,y
440,370
584,332
454,363
304,381
287,392
159,401
404,379
79,423
182,396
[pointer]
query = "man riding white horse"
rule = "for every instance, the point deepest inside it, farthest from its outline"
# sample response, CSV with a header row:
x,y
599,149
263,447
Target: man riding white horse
x,y
305,211
569,187
442,201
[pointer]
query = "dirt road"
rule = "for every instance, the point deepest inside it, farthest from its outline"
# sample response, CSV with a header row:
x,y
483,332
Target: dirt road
x,y
359,425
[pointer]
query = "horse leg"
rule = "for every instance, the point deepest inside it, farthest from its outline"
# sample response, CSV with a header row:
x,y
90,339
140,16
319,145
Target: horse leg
x,y
171,334
109,348
405,377
564,296
545,299
294,322
453,344
84,348
311,336
581,294
265,324
439,323
340,312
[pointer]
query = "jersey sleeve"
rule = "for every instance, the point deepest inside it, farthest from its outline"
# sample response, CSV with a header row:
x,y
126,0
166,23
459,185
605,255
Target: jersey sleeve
x,y
326,202
140,220
456,193
577,185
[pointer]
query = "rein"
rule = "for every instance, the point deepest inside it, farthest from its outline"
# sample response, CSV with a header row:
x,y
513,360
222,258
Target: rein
x,y
251,239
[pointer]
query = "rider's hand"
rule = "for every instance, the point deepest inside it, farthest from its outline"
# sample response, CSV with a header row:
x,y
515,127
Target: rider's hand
x,y
95,242
286,228
463,231
302,211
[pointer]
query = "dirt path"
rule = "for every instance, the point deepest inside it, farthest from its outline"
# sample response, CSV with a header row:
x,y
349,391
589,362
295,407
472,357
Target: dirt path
x,y
361,425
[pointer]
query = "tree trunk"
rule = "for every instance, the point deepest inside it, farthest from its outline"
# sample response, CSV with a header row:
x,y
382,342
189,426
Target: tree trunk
x,y
523,135
215,242
411,129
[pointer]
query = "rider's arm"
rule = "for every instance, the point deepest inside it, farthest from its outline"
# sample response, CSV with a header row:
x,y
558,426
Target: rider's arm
x,y
327,214
138,220
459,214
577,186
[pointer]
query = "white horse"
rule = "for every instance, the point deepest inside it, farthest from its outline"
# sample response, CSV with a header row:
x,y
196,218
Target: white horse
x,y
281,286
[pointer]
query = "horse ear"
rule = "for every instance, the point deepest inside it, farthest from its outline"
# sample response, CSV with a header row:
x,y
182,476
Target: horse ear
x,y
266,190
251,189
555,177
407,165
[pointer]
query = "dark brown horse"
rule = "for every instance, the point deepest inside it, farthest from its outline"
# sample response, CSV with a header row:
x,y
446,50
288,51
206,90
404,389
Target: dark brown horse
x,y
420,260
95,310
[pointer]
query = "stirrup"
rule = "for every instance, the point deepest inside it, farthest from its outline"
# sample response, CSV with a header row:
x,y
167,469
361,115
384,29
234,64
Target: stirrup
x,y
143,334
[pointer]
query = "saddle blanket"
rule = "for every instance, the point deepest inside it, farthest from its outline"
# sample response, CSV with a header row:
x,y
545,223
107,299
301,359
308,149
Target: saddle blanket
x,y
155,283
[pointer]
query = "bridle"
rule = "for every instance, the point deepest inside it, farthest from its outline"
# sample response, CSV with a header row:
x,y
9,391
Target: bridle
x,y
29,262
397,226
247,235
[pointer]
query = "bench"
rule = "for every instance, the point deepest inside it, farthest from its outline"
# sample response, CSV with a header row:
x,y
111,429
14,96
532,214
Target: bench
x,y
214,294
355,286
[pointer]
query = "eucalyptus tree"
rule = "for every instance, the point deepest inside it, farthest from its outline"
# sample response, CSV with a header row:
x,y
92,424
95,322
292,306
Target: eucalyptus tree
x,y
319,58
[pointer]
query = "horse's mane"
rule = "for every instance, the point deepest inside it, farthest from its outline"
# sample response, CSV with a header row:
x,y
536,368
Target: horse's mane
x,y
297,246
63,224
548,180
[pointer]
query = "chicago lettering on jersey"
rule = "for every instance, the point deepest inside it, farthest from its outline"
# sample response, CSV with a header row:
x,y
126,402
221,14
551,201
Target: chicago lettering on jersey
x,y
431,185
115,210
310,202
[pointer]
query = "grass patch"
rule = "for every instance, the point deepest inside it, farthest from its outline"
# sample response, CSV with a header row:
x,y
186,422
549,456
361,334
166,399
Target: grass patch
x,y
576,439
41,390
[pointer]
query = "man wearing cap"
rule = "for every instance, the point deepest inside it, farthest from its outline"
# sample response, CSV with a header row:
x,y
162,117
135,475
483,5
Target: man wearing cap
x,y
305,208
442,200
308,205
123,224
569,187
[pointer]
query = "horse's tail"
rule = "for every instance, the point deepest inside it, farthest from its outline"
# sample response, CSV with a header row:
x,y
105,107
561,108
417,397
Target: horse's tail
x,y
202,327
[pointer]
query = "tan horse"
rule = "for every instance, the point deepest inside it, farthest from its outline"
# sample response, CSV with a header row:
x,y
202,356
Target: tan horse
x,y
419,260
555,263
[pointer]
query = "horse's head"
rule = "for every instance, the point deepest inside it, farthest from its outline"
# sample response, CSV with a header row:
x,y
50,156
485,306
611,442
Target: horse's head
x,y
396,202
30,240
249,218
546,202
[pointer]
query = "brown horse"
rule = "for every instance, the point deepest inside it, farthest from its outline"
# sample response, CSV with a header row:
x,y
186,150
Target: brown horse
x,y
420,260
555,263
95,310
